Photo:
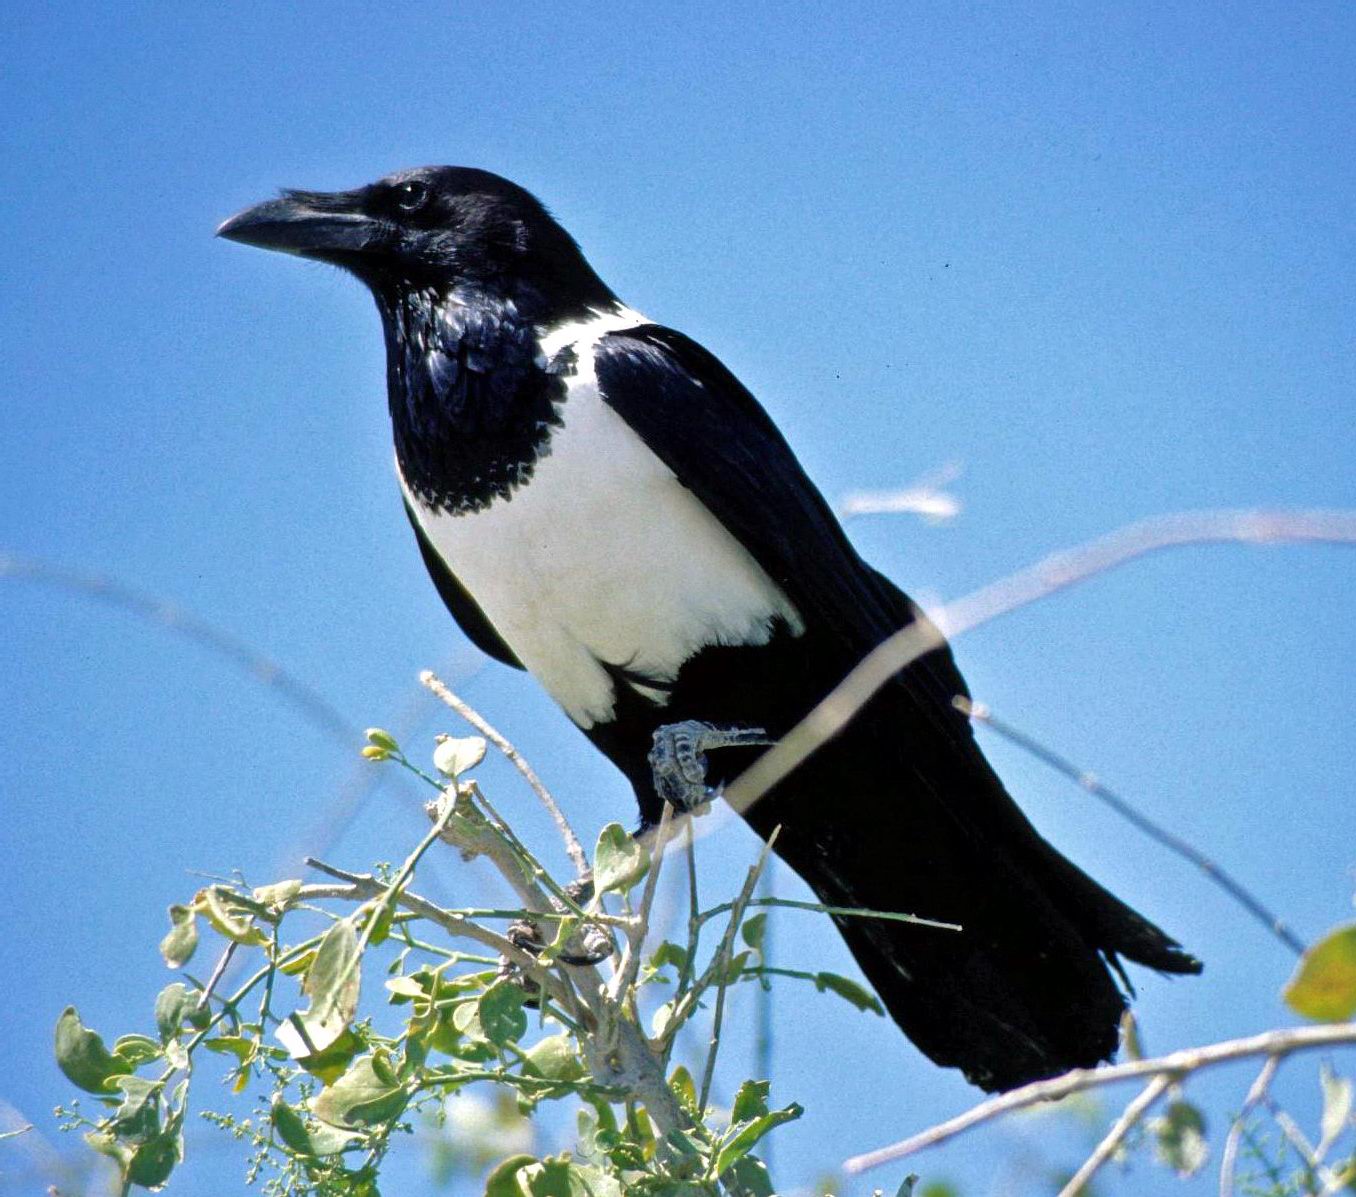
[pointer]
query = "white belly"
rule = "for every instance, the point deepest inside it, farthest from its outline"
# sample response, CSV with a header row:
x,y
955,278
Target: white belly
x,y
603,556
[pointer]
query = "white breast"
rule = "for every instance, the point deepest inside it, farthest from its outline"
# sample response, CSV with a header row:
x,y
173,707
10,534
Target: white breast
x,y
603,556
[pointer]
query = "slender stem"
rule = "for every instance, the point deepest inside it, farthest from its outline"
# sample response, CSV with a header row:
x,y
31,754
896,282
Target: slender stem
x,y
1130,1116
1257,1091
515,758
981,713
640,923
840,911
719,970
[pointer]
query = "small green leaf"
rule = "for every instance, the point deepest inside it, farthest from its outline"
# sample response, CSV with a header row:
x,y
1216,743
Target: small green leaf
x,y
502,1018
748,1175
740,1139
214,903
854,993
684,1088
503,1181
330,1064
750,1102
1323,988
618,861
175,1005
178,946
304,1140
457,755
555,1058
137,1049
381,738
82,1056
753,929
332,983
154,1160
360,1098
1180,1135
241,1047
669,953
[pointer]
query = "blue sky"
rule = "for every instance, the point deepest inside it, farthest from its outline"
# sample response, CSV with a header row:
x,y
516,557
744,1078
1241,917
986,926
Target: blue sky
x,y
1100,256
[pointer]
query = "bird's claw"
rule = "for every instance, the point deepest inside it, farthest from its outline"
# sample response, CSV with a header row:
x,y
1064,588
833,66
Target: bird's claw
x,y
678,759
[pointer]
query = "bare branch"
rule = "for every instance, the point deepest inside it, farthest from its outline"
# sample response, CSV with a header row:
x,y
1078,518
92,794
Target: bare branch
x,y
1175,1066
1047,577
1114,1137
1256,1092
572,846
981,713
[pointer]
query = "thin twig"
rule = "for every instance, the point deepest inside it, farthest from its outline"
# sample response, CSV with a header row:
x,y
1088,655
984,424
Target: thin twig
x,y
1047,577
1123,1125
1177,1064
572,846
217,973
640,922
857,912
1256,1091
981,713
1303,1148
719,970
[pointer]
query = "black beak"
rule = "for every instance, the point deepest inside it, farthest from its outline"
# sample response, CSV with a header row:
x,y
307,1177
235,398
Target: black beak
x,y
313,224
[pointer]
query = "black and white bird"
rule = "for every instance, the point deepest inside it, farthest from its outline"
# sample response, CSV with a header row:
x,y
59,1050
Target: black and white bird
x,y
601,502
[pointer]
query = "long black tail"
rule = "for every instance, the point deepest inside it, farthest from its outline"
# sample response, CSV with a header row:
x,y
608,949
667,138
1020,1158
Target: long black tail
x,y
1025,990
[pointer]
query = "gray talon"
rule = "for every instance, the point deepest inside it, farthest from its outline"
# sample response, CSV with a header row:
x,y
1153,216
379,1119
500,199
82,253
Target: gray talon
x,y
678,759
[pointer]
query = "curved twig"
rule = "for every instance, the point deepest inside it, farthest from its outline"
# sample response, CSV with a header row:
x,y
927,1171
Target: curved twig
x,y
1047,577
1175,1065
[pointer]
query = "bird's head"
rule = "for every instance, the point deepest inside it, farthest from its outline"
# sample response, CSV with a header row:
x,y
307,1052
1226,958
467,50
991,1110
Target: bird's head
x,y
443,228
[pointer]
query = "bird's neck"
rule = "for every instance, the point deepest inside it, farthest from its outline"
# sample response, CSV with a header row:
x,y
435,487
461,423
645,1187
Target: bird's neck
x,y
473,393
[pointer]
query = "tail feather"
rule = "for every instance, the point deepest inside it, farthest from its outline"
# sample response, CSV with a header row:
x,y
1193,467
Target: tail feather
x,y
1025,990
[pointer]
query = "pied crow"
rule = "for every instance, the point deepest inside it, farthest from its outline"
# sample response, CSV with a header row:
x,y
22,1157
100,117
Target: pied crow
x,y
601,502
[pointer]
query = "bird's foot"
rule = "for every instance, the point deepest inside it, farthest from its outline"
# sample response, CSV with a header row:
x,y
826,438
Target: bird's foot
x,y
678,760
591,944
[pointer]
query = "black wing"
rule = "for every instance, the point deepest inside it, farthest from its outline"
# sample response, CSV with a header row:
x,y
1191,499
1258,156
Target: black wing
x,y
465,610
702,422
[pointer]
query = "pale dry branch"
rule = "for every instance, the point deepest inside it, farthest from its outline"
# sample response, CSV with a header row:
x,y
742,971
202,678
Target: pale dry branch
x,y
1256,1092
1176,1065
572,846
1113,1138
1047,577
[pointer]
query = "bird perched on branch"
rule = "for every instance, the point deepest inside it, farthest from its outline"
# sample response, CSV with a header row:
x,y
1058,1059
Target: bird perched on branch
x,y
601,502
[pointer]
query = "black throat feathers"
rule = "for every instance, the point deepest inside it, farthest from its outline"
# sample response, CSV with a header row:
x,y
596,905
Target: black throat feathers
x,y
473,398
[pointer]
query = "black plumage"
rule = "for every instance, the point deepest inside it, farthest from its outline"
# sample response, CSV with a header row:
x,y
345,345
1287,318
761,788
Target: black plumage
x,y
599,499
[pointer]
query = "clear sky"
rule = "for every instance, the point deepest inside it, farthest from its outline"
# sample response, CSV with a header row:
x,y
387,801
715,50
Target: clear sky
x,y
1102,256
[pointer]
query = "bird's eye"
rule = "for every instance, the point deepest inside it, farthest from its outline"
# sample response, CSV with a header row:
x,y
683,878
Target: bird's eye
x,y
411,195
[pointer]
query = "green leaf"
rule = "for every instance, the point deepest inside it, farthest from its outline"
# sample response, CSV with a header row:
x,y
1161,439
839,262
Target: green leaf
x,y
304,1140
555,1058
360,1098
502,1017
153,1161
82,1056
333,1062
684,1088
748,1175
1323,988
137,1118
382,739
457,755
215,904
332,983
178,946
669,954
1180,1136
618,861
137,1049
555,1176
753,930
241,1047
854,993
750,1102
175,1005
740,1139
503,1181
